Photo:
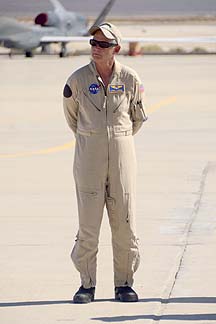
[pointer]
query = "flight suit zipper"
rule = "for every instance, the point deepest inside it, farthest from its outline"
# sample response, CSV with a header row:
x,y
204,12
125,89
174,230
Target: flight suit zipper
x,y
105,107
105,91
105,94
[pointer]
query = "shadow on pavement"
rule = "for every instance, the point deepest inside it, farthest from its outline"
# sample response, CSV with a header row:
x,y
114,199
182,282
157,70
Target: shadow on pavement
x,y
35,303
178,317
199,300
44,302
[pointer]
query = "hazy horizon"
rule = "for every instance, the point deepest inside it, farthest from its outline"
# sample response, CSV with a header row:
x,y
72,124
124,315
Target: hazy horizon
x,y
120,7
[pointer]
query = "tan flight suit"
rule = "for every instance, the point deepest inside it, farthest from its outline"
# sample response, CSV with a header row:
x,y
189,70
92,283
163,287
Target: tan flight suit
x,y
104,122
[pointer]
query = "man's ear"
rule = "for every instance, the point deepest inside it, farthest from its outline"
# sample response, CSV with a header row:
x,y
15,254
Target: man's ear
x,y
117,49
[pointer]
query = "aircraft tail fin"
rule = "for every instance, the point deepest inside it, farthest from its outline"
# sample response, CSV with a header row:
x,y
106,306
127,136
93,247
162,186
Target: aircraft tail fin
x,y
101,17
57,5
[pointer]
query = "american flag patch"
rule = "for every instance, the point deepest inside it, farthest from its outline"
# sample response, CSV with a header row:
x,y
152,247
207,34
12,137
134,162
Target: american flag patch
x,y
141,88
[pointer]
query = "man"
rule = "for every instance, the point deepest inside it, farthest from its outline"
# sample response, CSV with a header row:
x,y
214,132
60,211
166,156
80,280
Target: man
x,y
103,106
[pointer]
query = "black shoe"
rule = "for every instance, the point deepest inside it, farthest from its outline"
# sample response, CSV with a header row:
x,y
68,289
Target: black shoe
x,y
125,294
84,295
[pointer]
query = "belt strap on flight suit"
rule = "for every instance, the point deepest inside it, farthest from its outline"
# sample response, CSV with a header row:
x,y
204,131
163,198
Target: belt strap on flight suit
x,y
123,133
114,133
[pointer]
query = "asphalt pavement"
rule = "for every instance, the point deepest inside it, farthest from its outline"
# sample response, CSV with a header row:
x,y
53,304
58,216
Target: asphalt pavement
x,y
176,197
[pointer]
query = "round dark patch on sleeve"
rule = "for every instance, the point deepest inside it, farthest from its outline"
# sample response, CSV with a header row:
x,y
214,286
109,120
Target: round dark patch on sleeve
x,y
67,91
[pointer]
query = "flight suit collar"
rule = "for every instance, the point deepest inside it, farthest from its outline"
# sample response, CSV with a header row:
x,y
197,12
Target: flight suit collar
x,y
116,69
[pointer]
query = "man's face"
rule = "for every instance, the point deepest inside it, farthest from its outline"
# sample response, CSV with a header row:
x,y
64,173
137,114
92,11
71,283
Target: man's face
x,y
102,54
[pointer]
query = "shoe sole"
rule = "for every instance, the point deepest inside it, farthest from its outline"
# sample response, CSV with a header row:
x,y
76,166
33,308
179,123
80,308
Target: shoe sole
x,y
78,300
130,299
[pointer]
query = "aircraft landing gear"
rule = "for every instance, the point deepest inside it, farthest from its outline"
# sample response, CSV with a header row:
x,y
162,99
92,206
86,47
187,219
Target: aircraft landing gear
x,y
46,49
63,52
28,54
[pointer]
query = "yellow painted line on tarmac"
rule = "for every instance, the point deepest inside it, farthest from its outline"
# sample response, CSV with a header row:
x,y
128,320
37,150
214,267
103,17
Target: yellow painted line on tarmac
x,y
54,149
66,146
162,103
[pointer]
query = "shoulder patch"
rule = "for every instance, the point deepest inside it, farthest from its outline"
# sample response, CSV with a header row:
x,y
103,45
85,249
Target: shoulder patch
x,y
67,91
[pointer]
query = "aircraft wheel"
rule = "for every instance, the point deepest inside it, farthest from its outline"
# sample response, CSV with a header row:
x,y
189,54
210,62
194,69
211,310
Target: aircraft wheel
x,y
62,54
28,54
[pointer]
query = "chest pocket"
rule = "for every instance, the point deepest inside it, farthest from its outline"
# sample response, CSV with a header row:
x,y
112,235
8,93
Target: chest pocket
x,y
121,102
87,100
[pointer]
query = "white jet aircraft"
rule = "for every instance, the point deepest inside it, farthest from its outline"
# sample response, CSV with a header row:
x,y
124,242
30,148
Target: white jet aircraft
x,y
58,23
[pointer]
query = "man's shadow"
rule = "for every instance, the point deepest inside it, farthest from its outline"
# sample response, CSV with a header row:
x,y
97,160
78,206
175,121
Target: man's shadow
x,y
44,302
193,300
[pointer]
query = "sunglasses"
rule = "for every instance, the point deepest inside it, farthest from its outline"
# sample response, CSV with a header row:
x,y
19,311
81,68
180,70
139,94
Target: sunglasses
x,y
102,44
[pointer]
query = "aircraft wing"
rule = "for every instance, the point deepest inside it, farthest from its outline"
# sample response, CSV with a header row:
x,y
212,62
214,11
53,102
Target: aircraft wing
x,y
64,39
195,39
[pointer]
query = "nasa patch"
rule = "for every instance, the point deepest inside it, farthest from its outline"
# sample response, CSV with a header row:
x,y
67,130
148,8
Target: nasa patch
x,y
94,88
67,91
